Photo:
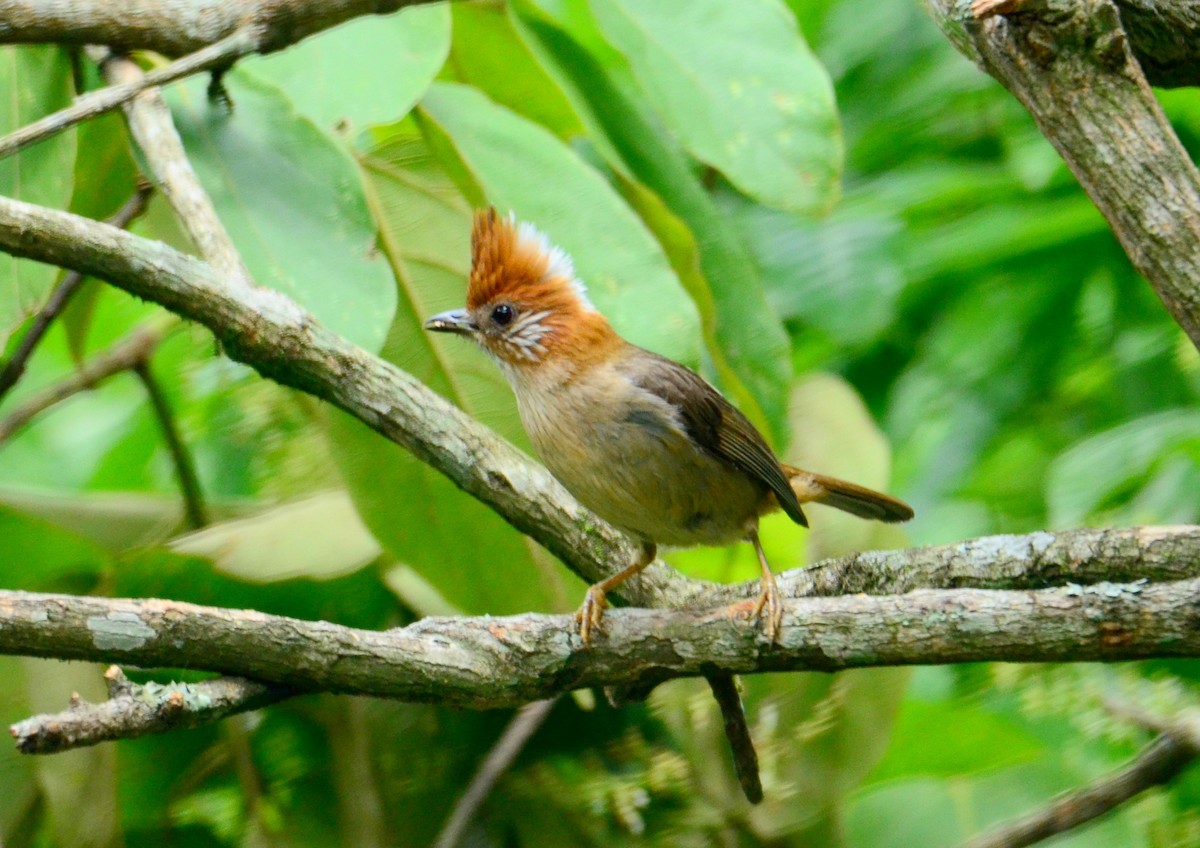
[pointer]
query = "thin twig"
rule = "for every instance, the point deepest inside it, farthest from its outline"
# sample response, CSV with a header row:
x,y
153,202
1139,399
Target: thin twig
x,y
15,367
1158,764
125,355
185,468
134,710
241,43
153,129
523,725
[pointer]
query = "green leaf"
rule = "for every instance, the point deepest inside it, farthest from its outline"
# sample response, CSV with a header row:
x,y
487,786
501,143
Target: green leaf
x,y
1160,449
461,547
292,201
749,335
37,81
368,71
849,279
625,270
51,559
488,54
740,88
971,739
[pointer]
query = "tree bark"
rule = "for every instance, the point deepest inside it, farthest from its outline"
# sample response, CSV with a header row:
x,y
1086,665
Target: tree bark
x,y
1070,64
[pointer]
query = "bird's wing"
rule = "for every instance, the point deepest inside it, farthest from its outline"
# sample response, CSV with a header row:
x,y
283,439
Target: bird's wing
x,y
716,425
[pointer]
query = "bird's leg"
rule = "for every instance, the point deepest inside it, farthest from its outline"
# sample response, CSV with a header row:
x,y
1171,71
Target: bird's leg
x,y
769,606
591,612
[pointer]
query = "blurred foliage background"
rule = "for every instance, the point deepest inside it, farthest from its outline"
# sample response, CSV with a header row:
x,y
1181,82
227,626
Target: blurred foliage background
x,y
860,237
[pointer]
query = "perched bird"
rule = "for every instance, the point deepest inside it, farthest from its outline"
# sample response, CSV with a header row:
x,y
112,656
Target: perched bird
x,y
640,440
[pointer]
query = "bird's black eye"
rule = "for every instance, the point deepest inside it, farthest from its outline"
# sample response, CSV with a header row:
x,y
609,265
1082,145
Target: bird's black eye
x,y
503,315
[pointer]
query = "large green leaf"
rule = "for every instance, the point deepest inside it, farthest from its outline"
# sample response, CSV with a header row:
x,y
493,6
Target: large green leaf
x,y
488,54
626,272
461,547
741,90
368,71
37,81
750,337
292,200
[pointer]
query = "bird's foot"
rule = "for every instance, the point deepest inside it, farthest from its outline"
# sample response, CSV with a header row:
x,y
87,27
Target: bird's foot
x,y
769,607
591,613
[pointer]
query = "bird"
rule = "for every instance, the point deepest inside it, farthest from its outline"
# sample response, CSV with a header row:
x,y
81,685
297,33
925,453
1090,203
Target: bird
x,y
641,440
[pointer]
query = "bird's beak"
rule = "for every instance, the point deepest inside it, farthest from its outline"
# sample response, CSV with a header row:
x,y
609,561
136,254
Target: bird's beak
x,y
454,321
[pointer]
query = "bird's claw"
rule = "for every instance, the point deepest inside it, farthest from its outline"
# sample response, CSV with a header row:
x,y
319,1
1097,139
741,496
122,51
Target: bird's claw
x,y
769,607
590,613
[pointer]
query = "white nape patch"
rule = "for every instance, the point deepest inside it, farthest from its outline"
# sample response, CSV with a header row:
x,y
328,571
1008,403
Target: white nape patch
x,y
560,264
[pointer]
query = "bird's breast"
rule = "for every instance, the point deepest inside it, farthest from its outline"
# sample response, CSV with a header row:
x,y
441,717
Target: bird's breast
x,y
623,453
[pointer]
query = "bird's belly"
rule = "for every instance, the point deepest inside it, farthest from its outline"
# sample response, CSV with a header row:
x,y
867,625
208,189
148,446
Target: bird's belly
x,y
648,479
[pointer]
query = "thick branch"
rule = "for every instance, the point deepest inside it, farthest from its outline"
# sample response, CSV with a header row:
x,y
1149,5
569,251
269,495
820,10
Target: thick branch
x,y
493,662
175,27
134,710
1071,66
1165,37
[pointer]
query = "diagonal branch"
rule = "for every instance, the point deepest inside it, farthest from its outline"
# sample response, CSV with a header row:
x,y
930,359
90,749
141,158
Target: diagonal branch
x,y
240,43
1070,65
283,342
271,333
1158,764
152,127
14,368
126,355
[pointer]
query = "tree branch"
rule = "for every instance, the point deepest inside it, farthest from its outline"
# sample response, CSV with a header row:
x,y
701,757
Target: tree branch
x,y
134,710
1158,764
1070,65
176,27
181,458
125,355
1165,37
153,129
15,367
523,725
486,662
240,43
1156,553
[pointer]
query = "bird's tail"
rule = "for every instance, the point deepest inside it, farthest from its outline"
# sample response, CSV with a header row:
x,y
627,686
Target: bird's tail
x,y
848,497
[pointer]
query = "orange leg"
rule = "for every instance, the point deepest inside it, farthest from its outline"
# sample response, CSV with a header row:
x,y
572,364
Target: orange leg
x,y
591,612
769,606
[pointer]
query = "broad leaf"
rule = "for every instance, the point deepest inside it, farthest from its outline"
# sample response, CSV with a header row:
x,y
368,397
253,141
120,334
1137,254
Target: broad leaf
x,y
292,201
741,90
367,71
